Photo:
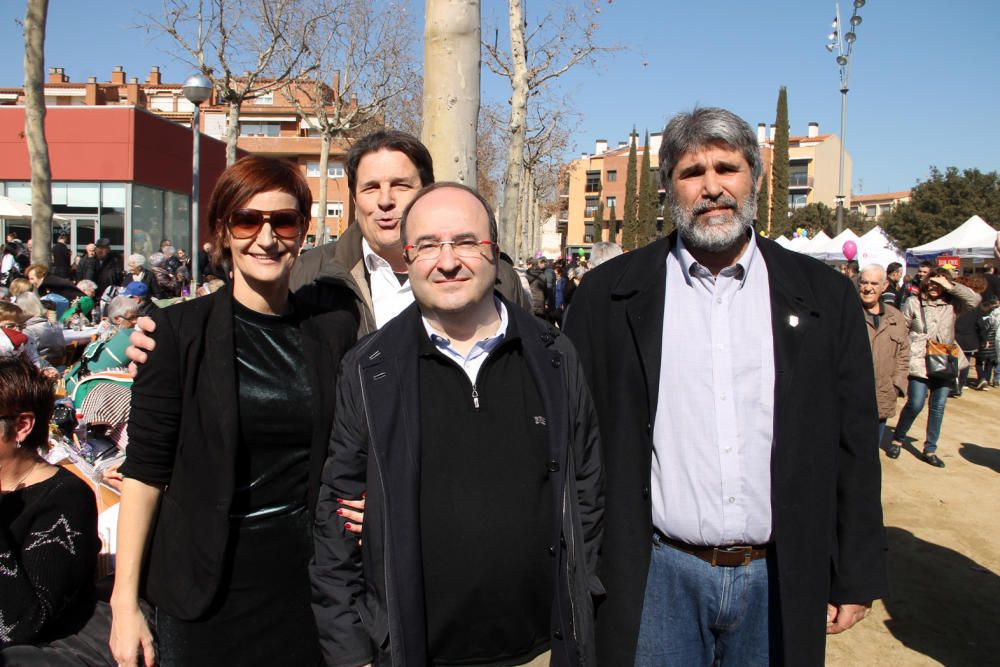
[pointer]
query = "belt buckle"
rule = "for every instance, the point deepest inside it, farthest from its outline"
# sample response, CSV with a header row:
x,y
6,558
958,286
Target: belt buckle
x,y
747,554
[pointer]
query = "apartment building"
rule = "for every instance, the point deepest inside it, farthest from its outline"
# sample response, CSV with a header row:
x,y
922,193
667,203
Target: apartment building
x,y
269,125
813,166
599,177
875,205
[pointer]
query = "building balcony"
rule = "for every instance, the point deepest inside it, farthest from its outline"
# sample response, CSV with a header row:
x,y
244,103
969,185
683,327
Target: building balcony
x,y
281,145
800,181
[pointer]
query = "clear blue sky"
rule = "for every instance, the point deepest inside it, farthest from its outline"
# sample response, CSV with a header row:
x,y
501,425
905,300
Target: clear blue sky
x,y
925,83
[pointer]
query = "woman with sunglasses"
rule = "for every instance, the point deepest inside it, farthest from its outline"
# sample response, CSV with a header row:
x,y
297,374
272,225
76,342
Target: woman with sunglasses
x,y
228,430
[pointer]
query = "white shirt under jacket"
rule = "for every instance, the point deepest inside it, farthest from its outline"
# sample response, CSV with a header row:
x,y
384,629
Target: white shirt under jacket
x,y
713,433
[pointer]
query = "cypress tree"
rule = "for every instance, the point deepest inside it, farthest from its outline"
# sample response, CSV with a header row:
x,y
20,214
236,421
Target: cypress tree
x,y
779,167
612,225
630,231
763,208
648,198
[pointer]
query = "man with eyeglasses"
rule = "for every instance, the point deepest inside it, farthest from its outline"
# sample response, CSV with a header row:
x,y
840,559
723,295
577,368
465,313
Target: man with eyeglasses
x,y
468,423
385,170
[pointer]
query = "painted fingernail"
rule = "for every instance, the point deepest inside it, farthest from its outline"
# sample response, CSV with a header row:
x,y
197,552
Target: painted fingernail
x,y
363,494
340,500
348,525
340,512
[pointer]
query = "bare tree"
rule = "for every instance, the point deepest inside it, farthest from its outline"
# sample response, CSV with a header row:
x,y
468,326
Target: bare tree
x,y
366,55
564,38
490,150
34,130
452,62
247,48
550,130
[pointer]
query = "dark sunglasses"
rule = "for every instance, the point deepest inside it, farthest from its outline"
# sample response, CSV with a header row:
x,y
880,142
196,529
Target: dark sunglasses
x,y
286,223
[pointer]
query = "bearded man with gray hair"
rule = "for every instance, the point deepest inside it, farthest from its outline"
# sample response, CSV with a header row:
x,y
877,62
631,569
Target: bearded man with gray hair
x,y
734,387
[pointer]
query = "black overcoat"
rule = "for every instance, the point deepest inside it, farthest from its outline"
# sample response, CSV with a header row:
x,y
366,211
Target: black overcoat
x,y
829,542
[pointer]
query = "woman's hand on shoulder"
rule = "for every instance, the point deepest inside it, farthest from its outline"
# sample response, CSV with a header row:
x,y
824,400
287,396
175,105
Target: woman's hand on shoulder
x,y
129,634
141,343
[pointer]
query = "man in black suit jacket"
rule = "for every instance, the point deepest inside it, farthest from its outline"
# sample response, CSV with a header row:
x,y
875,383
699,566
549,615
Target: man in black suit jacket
x,y
61,258
735,394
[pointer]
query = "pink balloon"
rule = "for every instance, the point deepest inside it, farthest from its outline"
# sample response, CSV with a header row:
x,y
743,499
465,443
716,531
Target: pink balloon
x,y
850,250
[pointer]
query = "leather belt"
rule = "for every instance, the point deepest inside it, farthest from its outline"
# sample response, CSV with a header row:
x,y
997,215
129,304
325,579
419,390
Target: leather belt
x,y
732,556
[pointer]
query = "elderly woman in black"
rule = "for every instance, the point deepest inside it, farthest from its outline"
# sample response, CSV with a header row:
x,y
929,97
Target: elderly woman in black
x,y
48,519
228,431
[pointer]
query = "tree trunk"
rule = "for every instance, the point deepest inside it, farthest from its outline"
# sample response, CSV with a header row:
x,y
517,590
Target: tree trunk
x,y
519,250
451,87
534,239
34,131
324,160
514,174
232,132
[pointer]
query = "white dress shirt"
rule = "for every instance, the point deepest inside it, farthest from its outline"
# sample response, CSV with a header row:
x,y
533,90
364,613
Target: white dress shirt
x,y
713,433
389,298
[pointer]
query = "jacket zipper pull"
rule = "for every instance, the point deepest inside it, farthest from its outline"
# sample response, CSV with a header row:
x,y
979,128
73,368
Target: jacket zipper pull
x,y
475,397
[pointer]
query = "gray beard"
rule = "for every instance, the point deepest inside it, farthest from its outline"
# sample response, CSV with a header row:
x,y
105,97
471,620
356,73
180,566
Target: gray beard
x,y
720,234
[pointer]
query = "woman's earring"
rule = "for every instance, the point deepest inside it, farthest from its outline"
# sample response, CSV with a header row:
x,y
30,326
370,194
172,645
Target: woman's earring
x,y
17,443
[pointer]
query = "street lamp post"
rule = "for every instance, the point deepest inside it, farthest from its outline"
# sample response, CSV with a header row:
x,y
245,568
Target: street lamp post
x,y
197,88
843,44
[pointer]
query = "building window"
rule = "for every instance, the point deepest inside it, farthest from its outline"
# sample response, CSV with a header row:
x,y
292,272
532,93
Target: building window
x,y
593,181
333,169
796,200
259,129
267,98
798,176
871,211
612,176
854,209
334,209
886,209
612,202
590,207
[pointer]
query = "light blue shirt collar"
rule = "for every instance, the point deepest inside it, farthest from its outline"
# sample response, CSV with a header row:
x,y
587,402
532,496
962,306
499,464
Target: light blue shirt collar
x,y
472,362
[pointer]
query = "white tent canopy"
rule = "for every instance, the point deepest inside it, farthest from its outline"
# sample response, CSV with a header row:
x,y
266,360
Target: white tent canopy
x,y
973,238
833,250
797,243
875,247
11,209
783,241
816,242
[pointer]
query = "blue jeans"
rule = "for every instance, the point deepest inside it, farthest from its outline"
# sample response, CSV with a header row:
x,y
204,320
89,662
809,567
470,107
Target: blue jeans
x,y
699,615
916,396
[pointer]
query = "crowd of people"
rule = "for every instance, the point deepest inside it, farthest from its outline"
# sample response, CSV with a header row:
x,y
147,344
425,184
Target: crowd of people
x,y
651,412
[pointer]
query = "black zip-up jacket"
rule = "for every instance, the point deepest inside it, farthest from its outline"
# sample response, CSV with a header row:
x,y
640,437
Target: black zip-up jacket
x,y
369,602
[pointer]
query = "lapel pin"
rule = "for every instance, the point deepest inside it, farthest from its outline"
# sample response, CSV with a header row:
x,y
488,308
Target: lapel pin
x,y
793,320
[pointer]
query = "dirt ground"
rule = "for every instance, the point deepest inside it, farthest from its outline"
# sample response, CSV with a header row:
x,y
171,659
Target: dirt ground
x,y
944,548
